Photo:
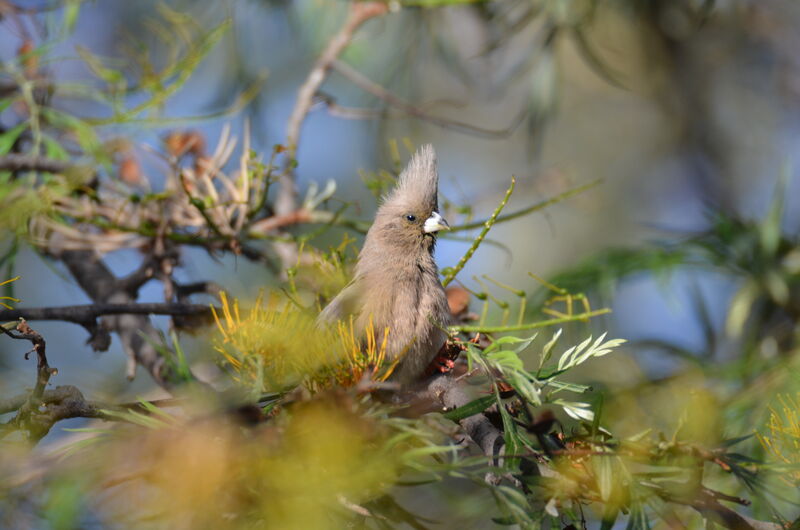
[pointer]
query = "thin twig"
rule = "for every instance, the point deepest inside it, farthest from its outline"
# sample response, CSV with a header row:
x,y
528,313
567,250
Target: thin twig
x,y
367,85
261,227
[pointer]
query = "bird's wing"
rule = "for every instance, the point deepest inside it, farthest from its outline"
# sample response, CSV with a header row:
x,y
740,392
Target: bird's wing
x,y
345,304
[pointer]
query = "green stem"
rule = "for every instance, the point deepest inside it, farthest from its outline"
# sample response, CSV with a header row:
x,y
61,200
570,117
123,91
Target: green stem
x,y
522,303
532,325
518,292
487,225
484,312
530,209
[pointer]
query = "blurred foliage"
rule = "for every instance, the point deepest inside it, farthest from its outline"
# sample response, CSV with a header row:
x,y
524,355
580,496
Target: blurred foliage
x,y
746,367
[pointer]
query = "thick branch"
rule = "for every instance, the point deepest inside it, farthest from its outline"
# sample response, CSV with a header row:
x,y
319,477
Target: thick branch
x,y
60,403
17,162
184,315
49,396
447,391
79,314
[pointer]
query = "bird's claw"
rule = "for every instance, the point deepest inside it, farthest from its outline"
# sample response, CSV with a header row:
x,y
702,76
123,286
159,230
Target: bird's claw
x,y
444,365
445,360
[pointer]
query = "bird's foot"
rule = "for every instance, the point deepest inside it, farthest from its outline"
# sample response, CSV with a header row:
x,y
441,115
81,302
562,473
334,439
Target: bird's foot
x,y
444,364
445,360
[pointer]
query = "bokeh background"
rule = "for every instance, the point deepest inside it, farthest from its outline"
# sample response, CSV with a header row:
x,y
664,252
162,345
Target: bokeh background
x,y
680,108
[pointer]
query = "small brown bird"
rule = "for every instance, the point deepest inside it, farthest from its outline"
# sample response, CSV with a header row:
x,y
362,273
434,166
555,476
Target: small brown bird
x,y
396,282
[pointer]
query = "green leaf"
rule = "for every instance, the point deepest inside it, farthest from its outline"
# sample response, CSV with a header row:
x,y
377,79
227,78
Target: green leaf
x,y
505,521
770,226
569,387
547,351
8,139
584,351
5,103
576,410
511,339
609,518
515,499
53,148
733,441
529,391
71,11
63,504
156,411
604,470
418,452
506,359
109,75
83,132
740,308
638,518
513,442
137,418
640,435
470,409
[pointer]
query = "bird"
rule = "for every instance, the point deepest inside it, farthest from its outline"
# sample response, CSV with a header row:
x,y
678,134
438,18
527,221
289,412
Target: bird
x,y
396,281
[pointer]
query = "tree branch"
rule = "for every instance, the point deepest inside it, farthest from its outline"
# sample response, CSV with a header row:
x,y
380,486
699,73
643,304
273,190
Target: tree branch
x,y
286,198
43,373
367,85
136,332
17,162
43,370
60,403
360,12
79,314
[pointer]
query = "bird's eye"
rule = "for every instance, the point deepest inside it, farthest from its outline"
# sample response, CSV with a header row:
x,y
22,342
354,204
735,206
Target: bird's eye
x,y
411,218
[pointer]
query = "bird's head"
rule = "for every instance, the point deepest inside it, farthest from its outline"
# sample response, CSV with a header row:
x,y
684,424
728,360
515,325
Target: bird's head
x,y
409,216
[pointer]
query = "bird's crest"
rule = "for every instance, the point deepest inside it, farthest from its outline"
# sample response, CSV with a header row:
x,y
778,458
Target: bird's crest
x,y
419,182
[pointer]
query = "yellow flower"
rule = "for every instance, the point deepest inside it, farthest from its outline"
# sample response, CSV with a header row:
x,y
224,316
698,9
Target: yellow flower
x,y
274,344
362,360
783,440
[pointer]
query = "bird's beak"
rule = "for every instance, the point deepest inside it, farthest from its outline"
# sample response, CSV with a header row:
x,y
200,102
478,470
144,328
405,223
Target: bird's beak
x,y
434,223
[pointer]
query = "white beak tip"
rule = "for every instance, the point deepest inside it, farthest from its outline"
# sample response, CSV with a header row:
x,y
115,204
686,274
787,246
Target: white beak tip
x,y
434,223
